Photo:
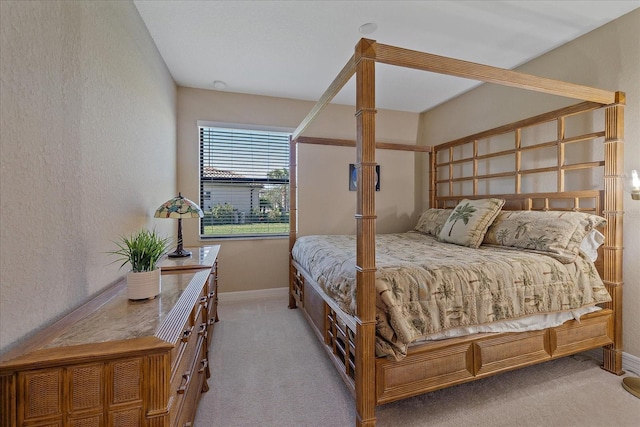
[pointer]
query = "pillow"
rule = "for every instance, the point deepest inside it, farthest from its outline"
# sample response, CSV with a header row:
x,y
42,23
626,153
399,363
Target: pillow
x,y
555,233
590,244
586,224
432,220
469,221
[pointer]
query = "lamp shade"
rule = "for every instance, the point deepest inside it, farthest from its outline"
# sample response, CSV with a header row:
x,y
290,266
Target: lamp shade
x,y
178,208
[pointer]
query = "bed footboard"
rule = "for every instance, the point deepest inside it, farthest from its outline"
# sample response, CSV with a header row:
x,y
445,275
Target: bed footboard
x,y
439,364
435,365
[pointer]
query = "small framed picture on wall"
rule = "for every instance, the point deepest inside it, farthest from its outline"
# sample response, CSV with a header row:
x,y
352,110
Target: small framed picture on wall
x,y
353,177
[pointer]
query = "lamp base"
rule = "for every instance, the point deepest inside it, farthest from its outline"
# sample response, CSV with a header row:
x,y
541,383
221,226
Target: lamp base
x,y
632,385
179,253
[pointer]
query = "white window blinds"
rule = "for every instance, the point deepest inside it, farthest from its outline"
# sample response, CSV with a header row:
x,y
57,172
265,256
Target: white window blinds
x,y
244,182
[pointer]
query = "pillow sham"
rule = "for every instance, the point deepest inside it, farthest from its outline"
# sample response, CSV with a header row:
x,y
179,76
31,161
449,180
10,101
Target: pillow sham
x,y
586,224
469,221
555,233
432,220
590,244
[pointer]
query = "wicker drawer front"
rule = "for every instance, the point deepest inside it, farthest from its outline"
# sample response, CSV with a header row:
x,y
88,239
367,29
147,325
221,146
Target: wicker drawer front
x,y
125,395
126,418
40,396
48,424
125,381
86,387
96,420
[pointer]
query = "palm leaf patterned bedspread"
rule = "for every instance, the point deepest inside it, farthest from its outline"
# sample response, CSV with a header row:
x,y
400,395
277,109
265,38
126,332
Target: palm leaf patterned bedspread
x,y
425,286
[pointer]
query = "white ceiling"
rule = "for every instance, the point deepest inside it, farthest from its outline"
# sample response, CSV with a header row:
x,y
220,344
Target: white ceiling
x,y
294,49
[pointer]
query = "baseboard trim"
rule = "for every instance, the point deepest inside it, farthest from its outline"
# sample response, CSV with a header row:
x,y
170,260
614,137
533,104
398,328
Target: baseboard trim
x,y
258,294
630,362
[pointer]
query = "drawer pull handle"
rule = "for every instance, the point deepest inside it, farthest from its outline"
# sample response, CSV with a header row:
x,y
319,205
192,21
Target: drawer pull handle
x,y
186,378
203,365
203,329
186,334
212,321
211,294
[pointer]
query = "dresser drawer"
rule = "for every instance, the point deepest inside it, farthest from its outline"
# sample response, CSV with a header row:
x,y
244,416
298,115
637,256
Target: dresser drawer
x,y
213,294
188,354
189,331
180,347
40,393
186,410
184,374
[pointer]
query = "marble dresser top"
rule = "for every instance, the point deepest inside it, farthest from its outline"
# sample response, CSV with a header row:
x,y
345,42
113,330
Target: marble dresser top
x,y
201,257
120,318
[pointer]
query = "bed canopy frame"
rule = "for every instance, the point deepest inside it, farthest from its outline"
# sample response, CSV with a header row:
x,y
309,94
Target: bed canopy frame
x,y
435,365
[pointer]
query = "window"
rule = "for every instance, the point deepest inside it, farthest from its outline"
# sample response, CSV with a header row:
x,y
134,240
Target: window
x,y
244,181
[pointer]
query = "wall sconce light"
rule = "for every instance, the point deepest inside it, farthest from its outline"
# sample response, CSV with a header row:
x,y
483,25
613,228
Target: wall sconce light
x,y
632,185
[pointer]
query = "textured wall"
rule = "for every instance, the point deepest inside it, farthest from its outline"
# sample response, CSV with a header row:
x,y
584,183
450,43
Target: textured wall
x,y
325,203
608,58
88,151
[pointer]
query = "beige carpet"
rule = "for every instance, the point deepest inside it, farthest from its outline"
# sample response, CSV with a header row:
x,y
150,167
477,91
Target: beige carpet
x,y
269,370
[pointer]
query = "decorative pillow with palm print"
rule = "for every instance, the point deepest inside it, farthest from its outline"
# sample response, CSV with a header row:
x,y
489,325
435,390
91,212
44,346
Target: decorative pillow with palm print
x,y
554,233
432,220
469,221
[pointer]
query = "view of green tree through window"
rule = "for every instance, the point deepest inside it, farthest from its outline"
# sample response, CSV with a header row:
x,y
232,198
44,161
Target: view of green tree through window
x,y
244,182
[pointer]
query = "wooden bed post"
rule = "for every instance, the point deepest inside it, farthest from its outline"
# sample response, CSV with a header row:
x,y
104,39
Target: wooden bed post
x,y
433,189
293,213
613,212
366,233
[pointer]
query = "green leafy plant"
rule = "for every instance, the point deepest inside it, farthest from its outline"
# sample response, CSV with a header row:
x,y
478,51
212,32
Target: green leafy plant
x,y
142,250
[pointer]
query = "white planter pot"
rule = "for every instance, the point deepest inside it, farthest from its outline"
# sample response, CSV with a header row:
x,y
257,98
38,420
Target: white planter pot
x,y
143,285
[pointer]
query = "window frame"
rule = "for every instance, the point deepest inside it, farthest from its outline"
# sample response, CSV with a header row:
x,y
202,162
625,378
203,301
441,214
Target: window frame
x,y
249,128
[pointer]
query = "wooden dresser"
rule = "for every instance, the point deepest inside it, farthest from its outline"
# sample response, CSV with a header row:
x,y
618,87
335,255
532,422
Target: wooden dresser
x,y
115,362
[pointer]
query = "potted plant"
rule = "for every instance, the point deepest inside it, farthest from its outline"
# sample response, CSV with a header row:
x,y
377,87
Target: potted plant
x,y
142,250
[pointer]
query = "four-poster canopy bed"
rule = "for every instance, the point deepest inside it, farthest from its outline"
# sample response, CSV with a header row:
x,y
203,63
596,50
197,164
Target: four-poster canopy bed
x,y
353,328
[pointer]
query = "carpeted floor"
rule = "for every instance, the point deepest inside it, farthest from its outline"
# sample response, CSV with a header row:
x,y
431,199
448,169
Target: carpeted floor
x,y
268,370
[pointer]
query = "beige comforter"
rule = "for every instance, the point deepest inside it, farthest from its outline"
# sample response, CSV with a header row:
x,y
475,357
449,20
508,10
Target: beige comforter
x,y
425,286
